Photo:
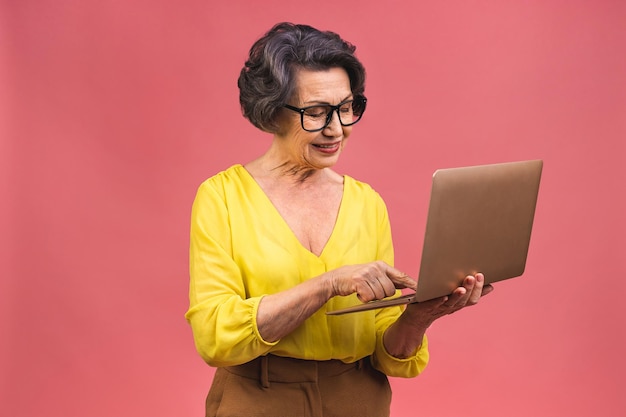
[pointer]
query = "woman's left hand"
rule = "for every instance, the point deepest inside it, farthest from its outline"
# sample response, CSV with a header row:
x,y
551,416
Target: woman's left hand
x,y
468,294
407,333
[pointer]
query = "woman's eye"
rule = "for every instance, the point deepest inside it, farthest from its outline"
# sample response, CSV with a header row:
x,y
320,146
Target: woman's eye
x,y
316,112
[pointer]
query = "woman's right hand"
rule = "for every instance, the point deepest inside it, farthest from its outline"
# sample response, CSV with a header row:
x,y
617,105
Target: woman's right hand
x,y
371,281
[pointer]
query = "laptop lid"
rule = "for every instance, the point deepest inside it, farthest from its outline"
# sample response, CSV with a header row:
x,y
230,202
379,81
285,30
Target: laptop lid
x,y
479,220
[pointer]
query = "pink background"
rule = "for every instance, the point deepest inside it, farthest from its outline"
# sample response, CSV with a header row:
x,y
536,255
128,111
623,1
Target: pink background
x,y
113,112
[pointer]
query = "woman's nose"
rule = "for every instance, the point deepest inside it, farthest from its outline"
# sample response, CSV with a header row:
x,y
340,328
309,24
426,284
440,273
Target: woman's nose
x,y
334,125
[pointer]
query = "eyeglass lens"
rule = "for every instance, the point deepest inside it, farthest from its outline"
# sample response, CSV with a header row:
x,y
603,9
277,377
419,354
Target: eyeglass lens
x,y
318,117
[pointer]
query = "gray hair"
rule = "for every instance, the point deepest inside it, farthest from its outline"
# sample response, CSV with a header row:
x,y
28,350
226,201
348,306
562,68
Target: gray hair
x,y
266,81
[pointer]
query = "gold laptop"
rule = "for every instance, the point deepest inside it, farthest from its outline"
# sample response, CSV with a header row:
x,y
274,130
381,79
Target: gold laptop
x,y
479,220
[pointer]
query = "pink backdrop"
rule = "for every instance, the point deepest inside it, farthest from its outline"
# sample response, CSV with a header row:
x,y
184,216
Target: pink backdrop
x,y
113,112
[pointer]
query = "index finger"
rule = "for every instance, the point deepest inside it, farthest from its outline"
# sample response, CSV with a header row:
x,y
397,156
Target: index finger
x,y
400,279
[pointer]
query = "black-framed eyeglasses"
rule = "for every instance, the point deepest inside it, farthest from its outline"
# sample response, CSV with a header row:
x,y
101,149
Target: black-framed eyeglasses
x,y
316,118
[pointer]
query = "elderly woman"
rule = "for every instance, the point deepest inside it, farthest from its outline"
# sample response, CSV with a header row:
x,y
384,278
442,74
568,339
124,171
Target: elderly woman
x,y
281,240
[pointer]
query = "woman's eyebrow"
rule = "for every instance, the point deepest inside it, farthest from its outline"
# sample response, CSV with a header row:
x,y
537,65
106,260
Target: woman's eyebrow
x,y
313,102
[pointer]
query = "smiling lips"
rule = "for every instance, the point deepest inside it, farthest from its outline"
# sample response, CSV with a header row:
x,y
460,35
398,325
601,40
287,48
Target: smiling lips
x,y
327,147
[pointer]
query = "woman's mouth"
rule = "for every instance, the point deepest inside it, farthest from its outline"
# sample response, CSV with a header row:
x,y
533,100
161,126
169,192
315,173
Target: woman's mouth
x,y
327,147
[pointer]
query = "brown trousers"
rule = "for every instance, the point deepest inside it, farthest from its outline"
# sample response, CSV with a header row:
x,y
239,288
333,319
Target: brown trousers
x,y
272,386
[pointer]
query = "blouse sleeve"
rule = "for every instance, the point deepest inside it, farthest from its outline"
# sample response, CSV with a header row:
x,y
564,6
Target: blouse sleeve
x,y
381,359
222,318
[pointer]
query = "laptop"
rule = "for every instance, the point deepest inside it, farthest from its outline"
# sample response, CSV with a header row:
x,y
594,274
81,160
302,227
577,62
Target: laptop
x,y
480,219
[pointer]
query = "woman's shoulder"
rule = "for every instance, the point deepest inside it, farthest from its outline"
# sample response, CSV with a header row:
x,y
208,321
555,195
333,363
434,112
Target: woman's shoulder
x,y
224,182
362,193
234,173
352,184
361,199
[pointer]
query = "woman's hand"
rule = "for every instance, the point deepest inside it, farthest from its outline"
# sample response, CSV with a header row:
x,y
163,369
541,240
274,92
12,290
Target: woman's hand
x,y
280,313
468,294
371,281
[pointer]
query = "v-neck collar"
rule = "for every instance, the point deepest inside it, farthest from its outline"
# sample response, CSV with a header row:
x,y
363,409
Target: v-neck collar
x,y
264,197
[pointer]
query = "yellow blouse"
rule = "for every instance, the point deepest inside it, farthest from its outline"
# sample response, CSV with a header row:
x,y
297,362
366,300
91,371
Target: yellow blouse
x,y
241,249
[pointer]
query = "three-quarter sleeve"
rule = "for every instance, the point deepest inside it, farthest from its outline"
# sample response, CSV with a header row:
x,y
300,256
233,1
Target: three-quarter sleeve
x,y
222,317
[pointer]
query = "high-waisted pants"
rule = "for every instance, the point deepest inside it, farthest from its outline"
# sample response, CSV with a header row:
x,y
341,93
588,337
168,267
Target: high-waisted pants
x,y
273,386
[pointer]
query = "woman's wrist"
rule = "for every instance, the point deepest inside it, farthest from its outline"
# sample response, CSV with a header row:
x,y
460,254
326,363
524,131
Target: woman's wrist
x,y
405,336
329,284
413,316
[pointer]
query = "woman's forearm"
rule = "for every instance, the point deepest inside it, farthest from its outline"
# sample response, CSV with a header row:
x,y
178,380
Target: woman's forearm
x,y
281,313
403,337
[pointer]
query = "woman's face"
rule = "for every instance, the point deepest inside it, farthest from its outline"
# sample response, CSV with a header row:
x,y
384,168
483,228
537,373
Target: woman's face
x,y
315,149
